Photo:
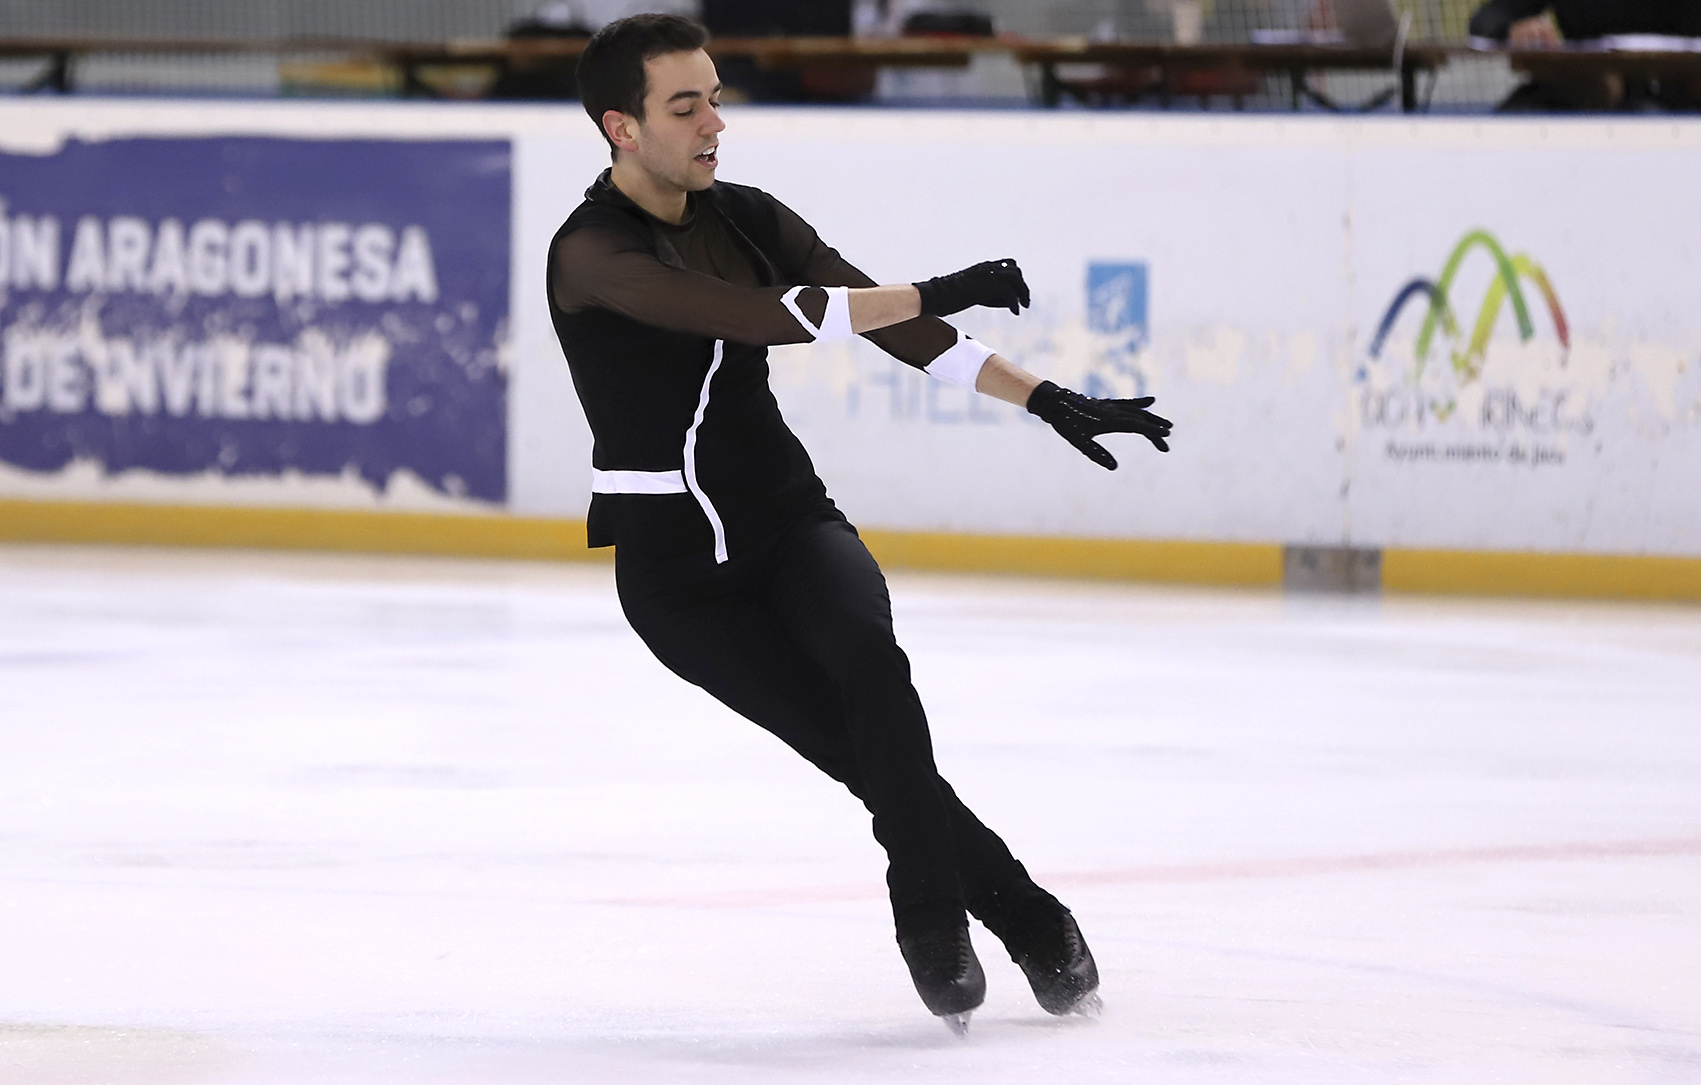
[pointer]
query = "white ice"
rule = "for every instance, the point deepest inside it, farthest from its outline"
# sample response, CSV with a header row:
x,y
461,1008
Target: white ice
x,y
275,819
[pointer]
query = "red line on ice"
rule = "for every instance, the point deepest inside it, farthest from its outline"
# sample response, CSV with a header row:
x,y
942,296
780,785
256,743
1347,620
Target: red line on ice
x,y
1202,872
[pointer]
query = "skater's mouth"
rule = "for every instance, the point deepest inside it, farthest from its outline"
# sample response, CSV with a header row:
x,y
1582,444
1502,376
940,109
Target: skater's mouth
x,y
708,158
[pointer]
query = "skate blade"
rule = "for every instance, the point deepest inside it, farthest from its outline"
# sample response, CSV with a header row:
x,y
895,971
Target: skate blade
x,y
958,1023
1088,1005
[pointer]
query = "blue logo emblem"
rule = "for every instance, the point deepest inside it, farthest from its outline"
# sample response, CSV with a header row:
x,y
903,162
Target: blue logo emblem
x,y
1116,302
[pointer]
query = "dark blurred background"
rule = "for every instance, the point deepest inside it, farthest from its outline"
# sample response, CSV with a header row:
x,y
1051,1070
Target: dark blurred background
x,y
1470,80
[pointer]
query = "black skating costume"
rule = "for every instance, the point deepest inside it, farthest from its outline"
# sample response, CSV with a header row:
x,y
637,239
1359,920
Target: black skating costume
x,y
731,561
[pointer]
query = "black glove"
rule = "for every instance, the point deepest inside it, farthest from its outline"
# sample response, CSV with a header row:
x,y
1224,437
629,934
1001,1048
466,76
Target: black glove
x,y
1079,419
997,283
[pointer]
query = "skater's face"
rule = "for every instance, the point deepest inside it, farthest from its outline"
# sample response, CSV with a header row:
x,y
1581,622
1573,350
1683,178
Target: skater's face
x,y
678,138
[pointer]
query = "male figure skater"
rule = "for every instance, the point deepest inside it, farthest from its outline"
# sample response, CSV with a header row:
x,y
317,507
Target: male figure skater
x,y
731,562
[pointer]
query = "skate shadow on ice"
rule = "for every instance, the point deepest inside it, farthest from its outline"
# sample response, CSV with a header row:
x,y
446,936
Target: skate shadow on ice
x,y
804,1049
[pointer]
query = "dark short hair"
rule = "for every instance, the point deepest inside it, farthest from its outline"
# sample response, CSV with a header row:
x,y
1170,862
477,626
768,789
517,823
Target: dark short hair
x,y
611,70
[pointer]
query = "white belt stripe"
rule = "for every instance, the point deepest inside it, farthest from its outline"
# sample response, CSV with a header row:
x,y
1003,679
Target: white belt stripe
x,y
637,482
691,460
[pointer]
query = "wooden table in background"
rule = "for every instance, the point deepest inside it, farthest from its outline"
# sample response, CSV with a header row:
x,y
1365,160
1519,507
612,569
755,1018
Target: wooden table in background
x,y
1585,62
1172,66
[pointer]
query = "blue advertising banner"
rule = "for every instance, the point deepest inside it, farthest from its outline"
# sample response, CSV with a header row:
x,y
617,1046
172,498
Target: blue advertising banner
x,y
248,307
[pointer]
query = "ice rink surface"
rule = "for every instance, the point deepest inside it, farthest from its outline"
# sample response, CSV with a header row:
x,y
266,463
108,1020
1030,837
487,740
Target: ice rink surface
x,y
307,819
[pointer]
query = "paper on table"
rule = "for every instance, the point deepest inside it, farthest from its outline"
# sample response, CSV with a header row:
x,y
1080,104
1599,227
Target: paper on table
x,y
1297,37
1647,43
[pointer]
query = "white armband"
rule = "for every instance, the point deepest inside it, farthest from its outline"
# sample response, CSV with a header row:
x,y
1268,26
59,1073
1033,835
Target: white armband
x,y
961,364
835,321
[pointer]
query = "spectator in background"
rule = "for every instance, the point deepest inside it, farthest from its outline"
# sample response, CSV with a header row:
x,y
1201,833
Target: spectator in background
x,y
547,76
744,79
599,13
552,77
761,18
1538,23
1579,20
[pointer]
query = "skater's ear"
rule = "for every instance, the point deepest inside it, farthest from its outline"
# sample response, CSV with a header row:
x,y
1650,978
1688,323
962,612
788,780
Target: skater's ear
x,y
621,130
611,69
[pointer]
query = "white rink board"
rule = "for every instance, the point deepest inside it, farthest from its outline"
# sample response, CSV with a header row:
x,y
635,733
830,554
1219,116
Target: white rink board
x,y
1271,250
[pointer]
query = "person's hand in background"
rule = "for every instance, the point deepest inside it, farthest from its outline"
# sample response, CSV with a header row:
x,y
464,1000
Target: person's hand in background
x,y
1537,32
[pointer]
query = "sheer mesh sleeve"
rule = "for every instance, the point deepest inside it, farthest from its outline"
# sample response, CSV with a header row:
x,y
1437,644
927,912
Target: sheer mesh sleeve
x,y
600,269
914,342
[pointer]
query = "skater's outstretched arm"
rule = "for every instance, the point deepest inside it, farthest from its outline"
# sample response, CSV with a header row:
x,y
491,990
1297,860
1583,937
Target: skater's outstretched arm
x,y
1077,418
931,344
596,268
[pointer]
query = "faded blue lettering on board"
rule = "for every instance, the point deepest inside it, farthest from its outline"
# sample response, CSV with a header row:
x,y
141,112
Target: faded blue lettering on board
x,y
258,307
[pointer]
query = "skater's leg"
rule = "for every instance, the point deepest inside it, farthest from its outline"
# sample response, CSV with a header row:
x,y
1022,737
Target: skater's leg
x,y
704,627
830,594
1038,931
833,595
984,863
703,624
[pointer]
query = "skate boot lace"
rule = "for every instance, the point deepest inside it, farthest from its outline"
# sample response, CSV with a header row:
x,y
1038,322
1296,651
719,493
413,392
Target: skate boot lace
x,y
1058,947
960,944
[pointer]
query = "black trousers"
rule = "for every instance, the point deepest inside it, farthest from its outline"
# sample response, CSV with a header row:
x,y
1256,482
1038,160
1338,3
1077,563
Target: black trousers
x,y
796,636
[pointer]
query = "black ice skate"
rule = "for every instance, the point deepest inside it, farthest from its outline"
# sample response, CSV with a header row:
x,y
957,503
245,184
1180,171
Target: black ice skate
x,y
1061,970
947,974
1045,942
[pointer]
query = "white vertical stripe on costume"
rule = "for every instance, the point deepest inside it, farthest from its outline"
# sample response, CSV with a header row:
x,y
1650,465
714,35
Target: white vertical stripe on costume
x,y
691,459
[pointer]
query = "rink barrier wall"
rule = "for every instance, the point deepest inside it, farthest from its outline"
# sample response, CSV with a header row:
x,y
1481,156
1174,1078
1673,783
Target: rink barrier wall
x,y
295,529
1589,576
503,536
1445,572
1266,277
1154,560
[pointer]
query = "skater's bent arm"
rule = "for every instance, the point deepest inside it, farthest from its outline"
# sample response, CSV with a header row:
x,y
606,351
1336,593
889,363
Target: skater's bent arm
x,y
917,342
1003,379
599,269
875,307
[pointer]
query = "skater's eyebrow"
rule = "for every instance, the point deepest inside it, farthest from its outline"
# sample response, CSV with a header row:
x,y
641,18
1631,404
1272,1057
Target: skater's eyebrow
x,y
678,94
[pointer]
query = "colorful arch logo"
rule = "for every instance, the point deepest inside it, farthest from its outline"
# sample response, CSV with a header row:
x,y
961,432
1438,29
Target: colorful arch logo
x,y
1505,285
